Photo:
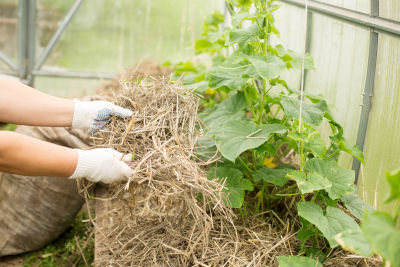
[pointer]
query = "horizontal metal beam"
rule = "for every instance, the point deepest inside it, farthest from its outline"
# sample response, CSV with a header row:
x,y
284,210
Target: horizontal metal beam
x,y
9,72
70,74
8,61
364,20
52,43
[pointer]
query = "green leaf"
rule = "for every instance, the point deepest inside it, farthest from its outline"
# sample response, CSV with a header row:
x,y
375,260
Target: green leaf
x,y
297,261
267,67
349,148
243,36
330,224
295,59
298,60
380,230
312,113
235,184
237,18
354,242
342,180
316,145
309,182
199,87
272,176
229,109
229,76
394,183
237,136
202,44
215,19
205,148
356,205
307,230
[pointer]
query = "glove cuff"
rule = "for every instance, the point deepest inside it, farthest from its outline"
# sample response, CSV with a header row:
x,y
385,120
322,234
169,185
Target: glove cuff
x,y
81,115
83,166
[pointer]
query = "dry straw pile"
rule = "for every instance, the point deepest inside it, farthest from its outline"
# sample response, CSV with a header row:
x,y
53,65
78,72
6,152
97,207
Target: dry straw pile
x,y
169,214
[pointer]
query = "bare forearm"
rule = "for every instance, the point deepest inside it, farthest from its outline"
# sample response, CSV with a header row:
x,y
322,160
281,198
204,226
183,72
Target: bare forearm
x,y
22,104
24,155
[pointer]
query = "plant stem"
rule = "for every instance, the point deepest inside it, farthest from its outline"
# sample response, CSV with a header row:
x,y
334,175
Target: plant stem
x,y
282,154
315,196
260,199
287,189
245,165
254,158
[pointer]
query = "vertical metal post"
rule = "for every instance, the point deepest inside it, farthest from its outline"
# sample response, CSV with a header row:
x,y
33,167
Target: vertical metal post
x,y
26,39
369,88
22,38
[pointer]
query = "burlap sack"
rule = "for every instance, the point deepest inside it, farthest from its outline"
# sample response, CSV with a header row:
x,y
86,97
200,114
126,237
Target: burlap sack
x,y
36,210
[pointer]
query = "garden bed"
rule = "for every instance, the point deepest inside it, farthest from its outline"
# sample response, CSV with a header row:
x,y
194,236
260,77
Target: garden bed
x,y
170,214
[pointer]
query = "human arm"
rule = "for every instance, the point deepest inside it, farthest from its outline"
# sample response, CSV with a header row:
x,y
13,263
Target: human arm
x,y
21,104
24,155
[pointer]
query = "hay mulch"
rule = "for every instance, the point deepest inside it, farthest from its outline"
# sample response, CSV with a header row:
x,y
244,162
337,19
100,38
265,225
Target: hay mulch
x,y
169,213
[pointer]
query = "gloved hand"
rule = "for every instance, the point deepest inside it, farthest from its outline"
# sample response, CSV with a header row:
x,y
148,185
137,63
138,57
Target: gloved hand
x,y
102,165
92,116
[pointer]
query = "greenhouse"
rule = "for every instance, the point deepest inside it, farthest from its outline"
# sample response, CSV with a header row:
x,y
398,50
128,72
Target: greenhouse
x,y
200,133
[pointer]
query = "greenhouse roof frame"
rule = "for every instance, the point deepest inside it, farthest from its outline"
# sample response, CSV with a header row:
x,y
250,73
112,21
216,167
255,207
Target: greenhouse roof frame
x,y
371,20
27,67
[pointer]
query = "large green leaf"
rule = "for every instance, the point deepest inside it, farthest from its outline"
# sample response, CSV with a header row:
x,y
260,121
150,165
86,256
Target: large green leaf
x,y
394,183
297,261
356,205
342,180
243,36
355,242
229,76
272,176
267,67
309,182
316,145
229,109
330,224
235,184
237,136
312,113
380,230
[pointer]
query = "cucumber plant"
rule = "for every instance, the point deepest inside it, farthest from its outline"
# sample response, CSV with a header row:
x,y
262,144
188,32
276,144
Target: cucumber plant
x,y
252,121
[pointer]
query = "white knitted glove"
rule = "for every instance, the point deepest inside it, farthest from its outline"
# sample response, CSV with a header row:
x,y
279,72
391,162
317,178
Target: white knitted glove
x,y
102,165
92,116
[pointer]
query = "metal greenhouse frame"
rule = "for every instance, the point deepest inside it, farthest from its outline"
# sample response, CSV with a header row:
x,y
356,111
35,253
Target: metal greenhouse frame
x,y
26,67
376,25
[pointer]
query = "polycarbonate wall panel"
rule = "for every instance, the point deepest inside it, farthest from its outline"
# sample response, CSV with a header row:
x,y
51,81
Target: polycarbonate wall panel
x,y
9,30
340,52
363,6
108,36
382,144
389,9
291,23
111,35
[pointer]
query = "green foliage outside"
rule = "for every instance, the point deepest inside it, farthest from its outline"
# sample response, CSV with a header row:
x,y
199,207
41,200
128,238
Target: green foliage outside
x,y
252,121
66,250
8,127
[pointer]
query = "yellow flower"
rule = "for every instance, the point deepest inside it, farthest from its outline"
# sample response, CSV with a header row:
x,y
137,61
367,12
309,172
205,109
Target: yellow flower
x,y
268,162
210,91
